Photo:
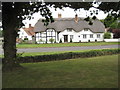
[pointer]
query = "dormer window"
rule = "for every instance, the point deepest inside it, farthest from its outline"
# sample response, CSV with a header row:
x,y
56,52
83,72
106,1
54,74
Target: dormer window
x,y
86,29
69,29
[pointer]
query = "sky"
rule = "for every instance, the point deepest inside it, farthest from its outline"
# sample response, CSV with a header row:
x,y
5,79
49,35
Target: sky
x,y
66,13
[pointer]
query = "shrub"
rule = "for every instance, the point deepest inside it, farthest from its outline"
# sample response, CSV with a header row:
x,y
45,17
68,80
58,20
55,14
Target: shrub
x,y
51,40
70,40
60,41
107,35
41,40
68,55
25,38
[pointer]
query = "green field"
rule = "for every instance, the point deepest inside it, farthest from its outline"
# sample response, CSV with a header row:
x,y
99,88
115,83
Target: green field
x,y
96,72
47,53
65,44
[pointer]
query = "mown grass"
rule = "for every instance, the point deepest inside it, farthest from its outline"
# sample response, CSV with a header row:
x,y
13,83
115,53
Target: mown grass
x,y
47,53
65,44
96,72
51,53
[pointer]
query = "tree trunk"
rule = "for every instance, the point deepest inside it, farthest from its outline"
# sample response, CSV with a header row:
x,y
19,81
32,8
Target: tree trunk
x,y
10,24
9,61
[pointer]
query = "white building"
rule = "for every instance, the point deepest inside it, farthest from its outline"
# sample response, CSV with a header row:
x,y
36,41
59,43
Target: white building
x,y
26,33
69,30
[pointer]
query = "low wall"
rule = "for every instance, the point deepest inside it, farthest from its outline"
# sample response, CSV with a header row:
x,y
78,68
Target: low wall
x,y
112,40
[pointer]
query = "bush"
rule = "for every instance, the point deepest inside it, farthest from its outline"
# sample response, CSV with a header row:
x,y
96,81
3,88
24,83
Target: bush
x,y
60,41
68,55
70,40
107,35
51,40
25,38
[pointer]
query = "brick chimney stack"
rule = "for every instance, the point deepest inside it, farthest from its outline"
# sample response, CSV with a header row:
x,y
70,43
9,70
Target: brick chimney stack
x,y
59,15
76,18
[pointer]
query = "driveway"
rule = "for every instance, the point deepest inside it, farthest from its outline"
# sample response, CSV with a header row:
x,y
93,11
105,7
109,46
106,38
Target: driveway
x,y
54,49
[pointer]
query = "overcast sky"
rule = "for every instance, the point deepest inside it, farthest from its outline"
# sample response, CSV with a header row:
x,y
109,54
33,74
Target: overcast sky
x,y
66,13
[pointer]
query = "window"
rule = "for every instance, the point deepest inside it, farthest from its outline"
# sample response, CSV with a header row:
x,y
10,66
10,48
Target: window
x,y
25,36
86,29
91,35
69,29
71,36
84,35
98,35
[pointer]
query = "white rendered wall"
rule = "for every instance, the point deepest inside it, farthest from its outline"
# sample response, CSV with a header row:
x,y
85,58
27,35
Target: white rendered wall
x,y
23,34
65,32
77,36
112,40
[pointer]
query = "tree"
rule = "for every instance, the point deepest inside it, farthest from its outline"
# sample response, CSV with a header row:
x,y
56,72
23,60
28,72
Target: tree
x,y
12,16
111,7
112,22
107,35
14,13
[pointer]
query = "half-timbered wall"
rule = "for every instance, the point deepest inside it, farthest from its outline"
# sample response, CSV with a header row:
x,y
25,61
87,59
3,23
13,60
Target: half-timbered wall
x,y
68,35
44,37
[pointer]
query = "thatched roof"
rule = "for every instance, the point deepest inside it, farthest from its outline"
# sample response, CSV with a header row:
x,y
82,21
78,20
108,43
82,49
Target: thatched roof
x,y
60,24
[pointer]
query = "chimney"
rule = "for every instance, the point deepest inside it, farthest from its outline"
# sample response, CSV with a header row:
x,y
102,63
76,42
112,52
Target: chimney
x,y
59,15
30,25
76,18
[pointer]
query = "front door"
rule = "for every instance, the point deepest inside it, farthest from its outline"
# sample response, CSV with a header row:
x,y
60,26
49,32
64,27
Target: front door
x,y
65,38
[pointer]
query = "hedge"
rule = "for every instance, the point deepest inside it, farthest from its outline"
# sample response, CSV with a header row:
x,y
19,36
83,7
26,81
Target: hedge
x,y
68,55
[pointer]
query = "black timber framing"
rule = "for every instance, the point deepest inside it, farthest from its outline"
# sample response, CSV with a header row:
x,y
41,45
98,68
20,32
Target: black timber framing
x,y
35,37
40,36
46,35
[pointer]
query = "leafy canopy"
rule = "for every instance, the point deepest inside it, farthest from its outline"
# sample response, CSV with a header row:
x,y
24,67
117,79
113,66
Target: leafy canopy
x,y
19,11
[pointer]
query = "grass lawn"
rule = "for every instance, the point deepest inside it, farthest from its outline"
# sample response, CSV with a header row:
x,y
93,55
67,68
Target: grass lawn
x,y
45,53
96,72
65,44
51,53
48,53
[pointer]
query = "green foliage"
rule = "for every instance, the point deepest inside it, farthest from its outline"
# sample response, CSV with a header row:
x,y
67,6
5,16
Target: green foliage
x,y
112,22
70,40
68,55
17,12
94,17
118,25
51,40
26,39
60,41
87,19
107,35
1,33
108,21
90,23
41,41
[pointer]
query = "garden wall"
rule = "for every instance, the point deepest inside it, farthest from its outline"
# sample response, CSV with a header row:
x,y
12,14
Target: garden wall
x,y
112,40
